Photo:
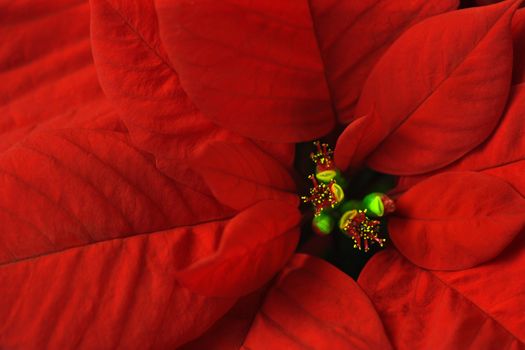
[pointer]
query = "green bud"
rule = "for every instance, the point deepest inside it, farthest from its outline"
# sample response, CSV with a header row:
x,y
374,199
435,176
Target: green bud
x,y
323,224
374,204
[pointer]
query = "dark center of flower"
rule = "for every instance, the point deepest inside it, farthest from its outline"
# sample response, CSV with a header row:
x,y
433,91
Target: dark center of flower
x,y
358,219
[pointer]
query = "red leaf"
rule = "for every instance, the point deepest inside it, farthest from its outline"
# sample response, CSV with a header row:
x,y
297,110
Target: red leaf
x,y
254,69
503,154
486,2
99,193
258,69
240,175
353,35
78,263
436,117
255,245
310,305
283,152
469,309
93,234
139,79
37,36
48,79
512,173
506,145
518,36
116,293
456,220
349,141
229,332
100,270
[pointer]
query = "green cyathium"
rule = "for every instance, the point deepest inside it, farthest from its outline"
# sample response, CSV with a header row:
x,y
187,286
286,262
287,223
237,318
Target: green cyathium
x,y
354,217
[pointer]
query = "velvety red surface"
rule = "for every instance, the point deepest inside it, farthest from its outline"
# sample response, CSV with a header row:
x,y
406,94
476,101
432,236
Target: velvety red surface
x,y
471,309
309,305
501,154
456,220
97,239
147,183
437,63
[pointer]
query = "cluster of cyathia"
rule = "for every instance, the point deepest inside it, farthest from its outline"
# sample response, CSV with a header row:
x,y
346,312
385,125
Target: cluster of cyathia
x,y
357,219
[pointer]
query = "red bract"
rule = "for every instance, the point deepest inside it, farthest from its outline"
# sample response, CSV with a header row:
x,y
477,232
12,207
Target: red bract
x,y
501,154
440,199
240,175
470,309
456,220
465,212
148,198
310,304
279,71
421,108
96,240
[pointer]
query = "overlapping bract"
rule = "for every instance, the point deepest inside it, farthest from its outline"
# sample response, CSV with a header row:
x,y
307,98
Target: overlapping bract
x,y
425,110
100,226
139,214
456,220
469,309
454,211
310,304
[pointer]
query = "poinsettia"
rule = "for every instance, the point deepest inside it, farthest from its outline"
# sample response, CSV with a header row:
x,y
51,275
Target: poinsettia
x,y
93,231
468,209
463,62
160,210
455,220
